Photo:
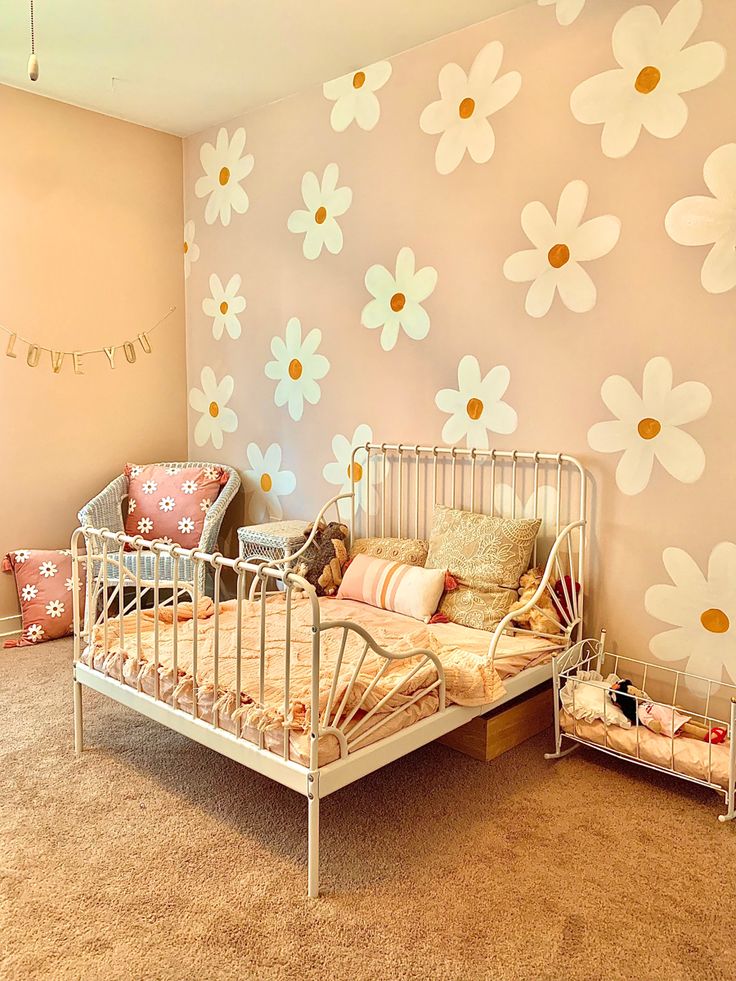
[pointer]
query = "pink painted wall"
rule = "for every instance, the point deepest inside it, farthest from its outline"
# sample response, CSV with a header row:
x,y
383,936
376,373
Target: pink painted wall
x,y
650,302
90,221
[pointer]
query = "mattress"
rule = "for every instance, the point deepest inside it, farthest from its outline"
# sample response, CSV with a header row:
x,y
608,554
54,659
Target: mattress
x,y
690,757
364,680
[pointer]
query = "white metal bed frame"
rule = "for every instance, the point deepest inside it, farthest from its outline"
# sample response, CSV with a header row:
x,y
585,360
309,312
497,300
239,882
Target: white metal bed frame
x,y
413,479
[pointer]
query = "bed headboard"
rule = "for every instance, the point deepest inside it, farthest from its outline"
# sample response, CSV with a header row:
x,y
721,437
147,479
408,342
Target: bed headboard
x,y
396,485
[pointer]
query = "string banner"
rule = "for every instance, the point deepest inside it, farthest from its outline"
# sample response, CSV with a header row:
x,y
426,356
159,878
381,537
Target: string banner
x,y
115,353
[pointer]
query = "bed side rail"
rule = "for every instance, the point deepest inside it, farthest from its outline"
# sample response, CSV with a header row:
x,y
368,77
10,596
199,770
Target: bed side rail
x,y
121,604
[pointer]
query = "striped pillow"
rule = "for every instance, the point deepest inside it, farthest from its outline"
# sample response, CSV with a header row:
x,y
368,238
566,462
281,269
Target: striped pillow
x,y
406,589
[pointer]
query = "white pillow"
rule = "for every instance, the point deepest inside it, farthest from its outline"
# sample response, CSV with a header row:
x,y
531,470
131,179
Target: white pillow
x,y
592,699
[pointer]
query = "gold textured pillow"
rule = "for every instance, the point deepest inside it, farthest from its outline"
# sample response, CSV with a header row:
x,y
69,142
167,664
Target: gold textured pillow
x,y
409,551
487,556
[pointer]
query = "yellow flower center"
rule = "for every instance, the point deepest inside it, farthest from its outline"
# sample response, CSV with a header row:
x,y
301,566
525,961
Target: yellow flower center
x,y
466,108
320,214
214,410
358,80
357,471
474,408
295,369
397,302
223,307
266,482
558,255
715,620
224,176
186,247
649,428
647,80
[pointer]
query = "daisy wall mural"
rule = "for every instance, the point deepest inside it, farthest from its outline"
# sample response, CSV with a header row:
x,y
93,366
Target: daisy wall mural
x,y
467,101
561,244
325,202
521,235
656,66
354,96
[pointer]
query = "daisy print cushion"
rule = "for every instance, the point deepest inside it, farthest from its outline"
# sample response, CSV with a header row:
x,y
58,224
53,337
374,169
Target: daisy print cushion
x,y
43,578
169,503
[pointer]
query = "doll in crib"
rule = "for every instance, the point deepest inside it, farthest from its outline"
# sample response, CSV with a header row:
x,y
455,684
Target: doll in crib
x,y
663,719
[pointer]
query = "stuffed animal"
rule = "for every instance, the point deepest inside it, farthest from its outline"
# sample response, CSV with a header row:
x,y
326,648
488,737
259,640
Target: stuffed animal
x,y
543,617
665,719
324,561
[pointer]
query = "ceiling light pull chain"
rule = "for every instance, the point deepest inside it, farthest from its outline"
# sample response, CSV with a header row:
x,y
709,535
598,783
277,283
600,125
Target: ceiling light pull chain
x,y
33,60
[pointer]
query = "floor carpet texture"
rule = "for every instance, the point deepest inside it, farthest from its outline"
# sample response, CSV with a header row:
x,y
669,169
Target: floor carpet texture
x,y
151,857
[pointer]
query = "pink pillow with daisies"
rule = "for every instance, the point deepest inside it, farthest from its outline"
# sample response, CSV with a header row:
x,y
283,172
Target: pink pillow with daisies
x,y
170,503
43,578
408,589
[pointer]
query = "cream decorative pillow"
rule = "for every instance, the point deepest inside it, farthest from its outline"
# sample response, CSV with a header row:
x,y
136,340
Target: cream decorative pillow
x,y
487,556
410,551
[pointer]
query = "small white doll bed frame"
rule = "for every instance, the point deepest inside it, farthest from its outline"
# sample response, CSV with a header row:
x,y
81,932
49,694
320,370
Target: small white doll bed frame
x,y
393,489
708,702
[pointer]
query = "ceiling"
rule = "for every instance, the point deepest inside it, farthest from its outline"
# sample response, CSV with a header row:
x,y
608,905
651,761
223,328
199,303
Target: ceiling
x,y
183,65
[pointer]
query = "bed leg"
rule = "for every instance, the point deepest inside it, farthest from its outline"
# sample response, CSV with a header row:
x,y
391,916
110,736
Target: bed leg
x,y
313,836
78,741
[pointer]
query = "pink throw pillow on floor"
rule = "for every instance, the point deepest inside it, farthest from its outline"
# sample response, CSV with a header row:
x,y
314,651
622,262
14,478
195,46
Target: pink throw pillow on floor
x,y
44,581
170,504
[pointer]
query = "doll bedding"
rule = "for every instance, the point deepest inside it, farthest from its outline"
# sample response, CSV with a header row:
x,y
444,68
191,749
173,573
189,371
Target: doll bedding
x,y
692,758
470,679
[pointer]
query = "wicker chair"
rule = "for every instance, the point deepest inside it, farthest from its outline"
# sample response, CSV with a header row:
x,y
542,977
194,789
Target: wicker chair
x,y
106,511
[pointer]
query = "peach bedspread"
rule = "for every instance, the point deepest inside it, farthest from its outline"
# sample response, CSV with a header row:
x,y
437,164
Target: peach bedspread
x,y
691,757
470,678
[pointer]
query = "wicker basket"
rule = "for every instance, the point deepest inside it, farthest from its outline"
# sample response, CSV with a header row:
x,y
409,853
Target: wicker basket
x,y
274,540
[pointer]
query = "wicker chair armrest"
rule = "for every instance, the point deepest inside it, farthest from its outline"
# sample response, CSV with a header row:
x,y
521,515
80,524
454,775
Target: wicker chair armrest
x,y
215,514
105,510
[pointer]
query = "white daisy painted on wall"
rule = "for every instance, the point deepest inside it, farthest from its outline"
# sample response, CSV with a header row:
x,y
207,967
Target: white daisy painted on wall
x,y
225,166
561,244
223,306
325,203
648,426
702,611
211,401
655,69
266,483
341,470
566,11
191,249
397,299
297,368
703,220
466,102
476,406
355,96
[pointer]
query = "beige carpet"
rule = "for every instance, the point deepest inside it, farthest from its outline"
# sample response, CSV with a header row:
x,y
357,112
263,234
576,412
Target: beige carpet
x,y
151,857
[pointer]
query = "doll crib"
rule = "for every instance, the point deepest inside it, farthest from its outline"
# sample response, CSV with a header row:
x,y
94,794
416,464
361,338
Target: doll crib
x,y
709,702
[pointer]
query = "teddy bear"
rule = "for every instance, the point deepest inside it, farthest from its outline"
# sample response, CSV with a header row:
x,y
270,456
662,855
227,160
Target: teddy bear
x,y
543,617
323,562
